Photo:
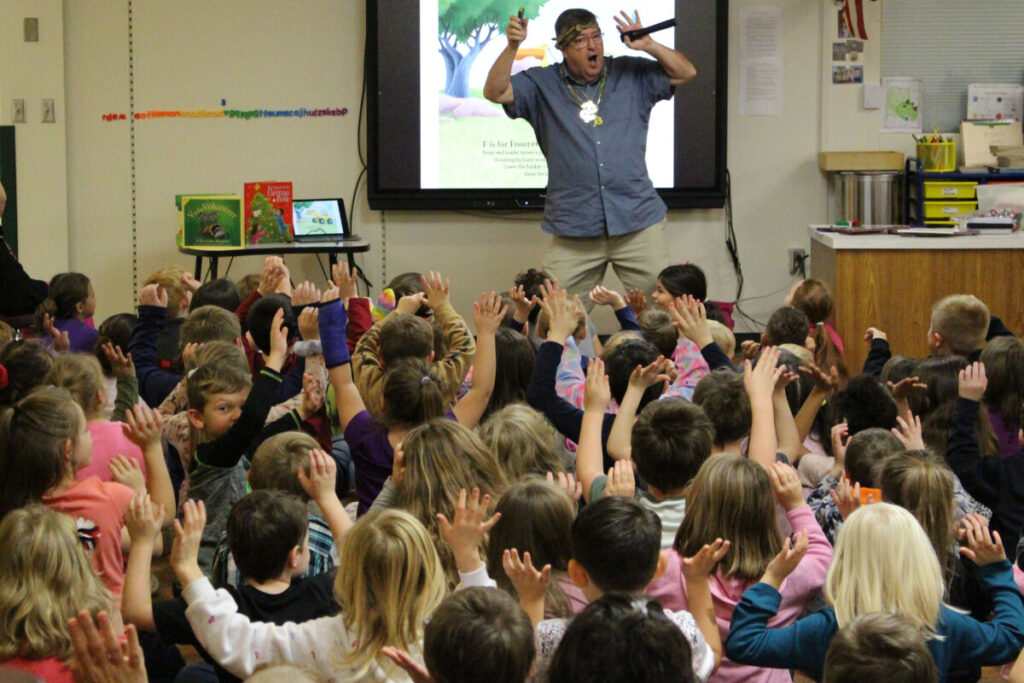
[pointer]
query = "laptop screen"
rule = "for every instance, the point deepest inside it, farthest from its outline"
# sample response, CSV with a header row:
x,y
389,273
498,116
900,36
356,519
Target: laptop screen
x,y
319,217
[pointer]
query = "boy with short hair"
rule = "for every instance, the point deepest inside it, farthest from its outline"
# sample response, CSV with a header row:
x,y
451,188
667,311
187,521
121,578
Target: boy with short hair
x,y
228,412
275,466
179,299
881,646
267,532
616,547
400,335
958,326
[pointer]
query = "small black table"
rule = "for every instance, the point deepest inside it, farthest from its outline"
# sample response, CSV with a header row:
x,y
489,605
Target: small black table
x,y
348,246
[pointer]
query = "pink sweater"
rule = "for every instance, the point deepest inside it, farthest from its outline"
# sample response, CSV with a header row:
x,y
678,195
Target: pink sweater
x,y
797,591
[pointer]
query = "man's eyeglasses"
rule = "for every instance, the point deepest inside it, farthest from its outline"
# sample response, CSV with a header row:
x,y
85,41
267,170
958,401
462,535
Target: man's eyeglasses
x,y
580,42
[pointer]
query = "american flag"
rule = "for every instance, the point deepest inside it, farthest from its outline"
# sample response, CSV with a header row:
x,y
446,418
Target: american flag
x,y
852,12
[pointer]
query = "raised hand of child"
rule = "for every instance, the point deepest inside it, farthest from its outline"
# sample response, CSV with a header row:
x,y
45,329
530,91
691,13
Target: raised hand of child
x,y
909,431
529,582
410,303
824,382
786,485
602,296
466,532
749,349
436,288
902,390
188,535
278,342
144,425
271,276
398,466
331,293
874,333
120,363
785,379
704,562
847,498
839,434
143,518
306,293
323,473
309,323
99,655
596,392
644,377
417,672
759,381
153,295
561,311
346,280
488,313
783,564
973,381
189,282
127,471
522,305
690,317
312,396
620,480
61,340
568,483
983,547
637,300
188,352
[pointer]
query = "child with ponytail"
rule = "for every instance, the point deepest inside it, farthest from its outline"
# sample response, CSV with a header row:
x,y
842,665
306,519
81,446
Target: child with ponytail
x,y
71,302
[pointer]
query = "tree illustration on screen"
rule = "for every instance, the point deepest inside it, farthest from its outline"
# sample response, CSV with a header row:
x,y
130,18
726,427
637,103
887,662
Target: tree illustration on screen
x,y
471,23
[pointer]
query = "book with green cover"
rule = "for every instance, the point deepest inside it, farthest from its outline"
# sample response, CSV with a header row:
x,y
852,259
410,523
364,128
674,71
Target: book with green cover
x,y
212,221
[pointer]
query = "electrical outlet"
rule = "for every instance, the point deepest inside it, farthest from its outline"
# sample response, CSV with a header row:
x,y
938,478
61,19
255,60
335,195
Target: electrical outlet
x,y
796,261
18,111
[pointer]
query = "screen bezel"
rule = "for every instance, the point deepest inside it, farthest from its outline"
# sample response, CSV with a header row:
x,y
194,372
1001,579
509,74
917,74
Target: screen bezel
x,y
388,198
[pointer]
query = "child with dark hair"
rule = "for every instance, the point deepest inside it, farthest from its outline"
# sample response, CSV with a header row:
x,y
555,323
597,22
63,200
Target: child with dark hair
x,y
24,365
276,465
119,379
722,398
267,534
70,303
615,546
475,634
220,292
1003,358
669,442
622,638
879,646
865,403
787,325
813,298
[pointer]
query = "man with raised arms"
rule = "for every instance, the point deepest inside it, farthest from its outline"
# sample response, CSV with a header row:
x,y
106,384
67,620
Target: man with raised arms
x,y
590,115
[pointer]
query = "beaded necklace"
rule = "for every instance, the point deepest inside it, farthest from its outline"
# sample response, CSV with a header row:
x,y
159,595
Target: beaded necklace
x,y
588,107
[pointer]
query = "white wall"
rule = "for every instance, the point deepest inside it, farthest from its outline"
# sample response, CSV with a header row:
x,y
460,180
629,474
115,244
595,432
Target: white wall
x,y
190,55
31,72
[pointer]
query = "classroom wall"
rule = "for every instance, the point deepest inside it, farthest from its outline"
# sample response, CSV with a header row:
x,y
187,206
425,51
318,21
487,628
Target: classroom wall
x,y
267,54
33,71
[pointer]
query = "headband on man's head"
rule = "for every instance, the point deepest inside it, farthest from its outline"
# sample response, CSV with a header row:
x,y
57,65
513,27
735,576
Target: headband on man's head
x,y
571,33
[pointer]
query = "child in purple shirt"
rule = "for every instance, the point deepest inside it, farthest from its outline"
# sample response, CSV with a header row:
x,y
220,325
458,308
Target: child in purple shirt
x,y
71,302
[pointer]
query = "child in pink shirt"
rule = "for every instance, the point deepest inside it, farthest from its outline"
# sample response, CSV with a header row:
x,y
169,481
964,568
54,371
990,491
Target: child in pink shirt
x,y
731,498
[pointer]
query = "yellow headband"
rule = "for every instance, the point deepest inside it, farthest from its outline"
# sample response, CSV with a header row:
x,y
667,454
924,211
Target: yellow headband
x,y
570,34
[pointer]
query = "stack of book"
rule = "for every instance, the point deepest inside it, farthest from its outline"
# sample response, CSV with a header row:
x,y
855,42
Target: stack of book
x,y
1009,158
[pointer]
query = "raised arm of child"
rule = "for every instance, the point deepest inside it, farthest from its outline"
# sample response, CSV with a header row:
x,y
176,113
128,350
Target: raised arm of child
x,y
154,382
531,584
367,366
690,316
459,342
596,396
696,570
143,521
878,353
320,485
360,320
332,321
824,386
790,443
981,477
759,383
640,380
488,314
623,313
127,384
144,428
465,533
